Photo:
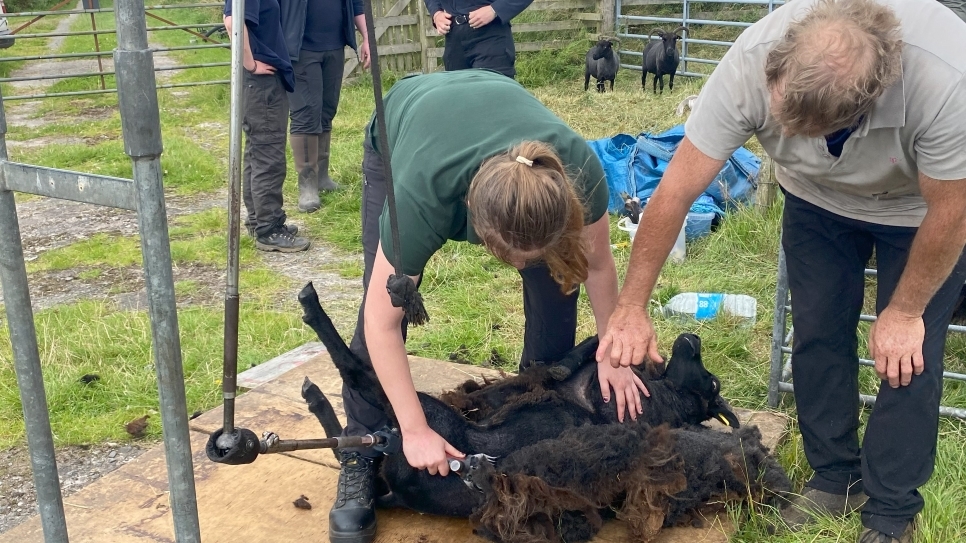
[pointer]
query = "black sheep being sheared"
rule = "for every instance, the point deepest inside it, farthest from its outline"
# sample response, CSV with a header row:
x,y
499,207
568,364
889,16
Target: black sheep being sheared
x,y
564,463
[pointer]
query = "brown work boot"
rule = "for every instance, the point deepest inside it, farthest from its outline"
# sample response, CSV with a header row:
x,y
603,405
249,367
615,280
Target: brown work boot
x,y
869,535
803,509
305,152
325,182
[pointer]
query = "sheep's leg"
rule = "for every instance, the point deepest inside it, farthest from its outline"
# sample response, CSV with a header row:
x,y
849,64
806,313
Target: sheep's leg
x,y
670,82
586,80
662,84
644,81
656,77
320,406
612,85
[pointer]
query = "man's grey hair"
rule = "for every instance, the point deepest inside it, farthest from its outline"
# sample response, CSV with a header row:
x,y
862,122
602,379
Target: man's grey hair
x,y
832,65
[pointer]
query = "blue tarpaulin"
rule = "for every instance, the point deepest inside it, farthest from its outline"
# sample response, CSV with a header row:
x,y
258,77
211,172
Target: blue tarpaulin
x,y
636,165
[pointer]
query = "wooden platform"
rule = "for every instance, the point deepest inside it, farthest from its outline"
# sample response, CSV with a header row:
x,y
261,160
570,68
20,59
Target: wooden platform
x,y
254,502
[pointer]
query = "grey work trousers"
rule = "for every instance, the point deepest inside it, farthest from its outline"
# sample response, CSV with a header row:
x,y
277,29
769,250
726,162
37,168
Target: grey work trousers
x,y
265,122
318,85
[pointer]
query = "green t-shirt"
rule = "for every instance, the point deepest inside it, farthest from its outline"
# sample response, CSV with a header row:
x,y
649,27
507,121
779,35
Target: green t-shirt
x,y
441,127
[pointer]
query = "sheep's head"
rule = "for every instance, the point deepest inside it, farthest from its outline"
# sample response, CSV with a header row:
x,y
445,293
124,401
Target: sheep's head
x,y
603,49
669,39
686,371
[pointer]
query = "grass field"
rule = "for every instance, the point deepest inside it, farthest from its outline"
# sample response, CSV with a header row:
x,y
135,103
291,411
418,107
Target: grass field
x,y
473,300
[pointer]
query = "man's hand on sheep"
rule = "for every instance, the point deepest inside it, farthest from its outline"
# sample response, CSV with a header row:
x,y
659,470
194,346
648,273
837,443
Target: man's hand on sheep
x,y
630,338
895,343
442,21
627,389
482,17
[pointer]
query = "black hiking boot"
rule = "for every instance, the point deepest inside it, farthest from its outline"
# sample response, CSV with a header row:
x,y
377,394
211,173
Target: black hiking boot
x,y
352,518
282,240
292,229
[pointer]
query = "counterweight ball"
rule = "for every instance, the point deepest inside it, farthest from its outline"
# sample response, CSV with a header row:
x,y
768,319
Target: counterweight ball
x,y
244,447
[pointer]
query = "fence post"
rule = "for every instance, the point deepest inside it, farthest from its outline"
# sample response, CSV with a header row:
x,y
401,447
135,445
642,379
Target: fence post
x,y
767,186
141,129
425,23
26,360
608,17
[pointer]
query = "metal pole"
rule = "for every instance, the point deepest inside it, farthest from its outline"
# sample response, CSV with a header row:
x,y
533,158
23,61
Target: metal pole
x,y
229,377
141,128
685,17
778,329
26,360
95,4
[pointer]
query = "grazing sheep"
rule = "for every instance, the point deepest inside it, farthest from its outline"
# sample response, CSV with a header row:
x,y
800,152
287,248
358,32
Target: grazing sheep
x,y
661,58
552,417
603,64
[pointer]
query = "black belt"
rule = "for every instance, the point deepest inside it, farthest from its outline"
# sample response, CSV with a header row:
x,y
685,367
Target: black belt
x,y
459,19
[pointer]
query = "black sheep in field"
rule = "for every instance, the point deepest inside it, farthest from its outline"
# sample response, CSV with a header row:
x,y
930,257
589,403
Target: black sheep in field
x,y
549,417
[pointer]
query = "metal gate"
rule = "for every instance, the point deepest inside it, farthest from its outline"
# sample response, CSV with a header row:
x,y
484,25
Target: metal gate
x,y
141,129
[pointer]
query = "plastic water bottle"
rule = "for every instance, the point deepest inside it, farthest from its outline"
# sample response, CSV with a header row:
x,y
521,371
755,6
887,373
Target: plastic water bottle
x,y
704,305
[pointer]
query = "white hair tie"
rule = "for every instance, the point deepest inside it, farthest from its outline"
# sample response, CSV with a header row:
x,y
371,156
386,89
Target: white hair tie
x,y
524,160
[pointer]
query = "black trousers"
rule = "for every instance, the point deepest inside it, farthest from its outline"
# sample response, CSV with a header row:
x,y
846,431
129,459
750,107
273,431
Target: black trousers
x,y
265,122
551,316
318,85
826,256
488,47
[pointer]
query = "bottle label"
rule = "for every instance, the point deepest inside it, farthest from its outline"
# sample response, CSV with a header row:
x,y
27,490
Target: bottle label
x,y
708,305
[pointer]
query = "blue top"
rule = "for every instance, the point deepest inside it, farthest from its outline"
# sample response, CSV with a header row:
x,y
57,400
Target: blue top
x,y
264,22
323,26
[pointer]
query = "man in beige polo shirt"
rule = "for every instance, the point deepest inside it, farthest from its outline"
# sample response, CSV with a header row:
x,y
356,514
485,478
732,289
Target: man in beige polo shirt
x,y
862,105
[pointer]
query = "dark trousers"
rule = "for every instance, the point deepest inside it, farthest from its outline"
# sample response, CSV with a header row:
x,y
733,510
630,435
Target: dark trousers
x,y
488,47
318,84
265,122
826,256
551,316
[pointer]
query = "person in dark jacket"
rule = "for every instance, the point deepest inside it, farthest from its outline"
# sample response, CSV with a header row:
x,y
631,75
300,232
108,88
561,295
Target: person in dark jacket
x,y
268,76
316,34
477,33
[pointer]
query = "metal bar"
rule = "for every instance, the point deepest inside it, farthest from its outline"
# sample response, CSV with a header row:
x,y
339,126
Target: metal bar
x,y
944,410
67,185
236,116
109,91
951,327
141,129
94,74
98,32
97,45
26,362
686,15
871,363
20,14
650,19
778,330
192,32
218,45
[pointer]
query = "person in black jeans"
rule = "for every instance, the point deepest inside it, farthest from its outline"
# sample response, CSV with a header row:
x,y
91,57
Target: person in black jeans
x,y
268,77
857,104
317,34
477,33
